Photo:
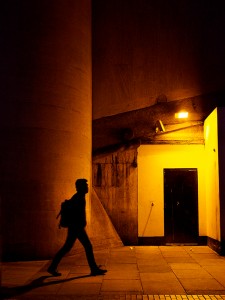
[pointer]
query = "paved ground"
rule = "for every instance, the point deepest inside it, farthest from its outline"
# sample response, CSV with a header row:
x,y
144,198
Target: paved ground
x,y
148,273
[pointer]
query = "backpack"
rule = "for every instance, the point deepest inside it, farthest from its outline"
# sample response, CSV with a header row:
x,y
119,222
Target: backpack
x,y
65,214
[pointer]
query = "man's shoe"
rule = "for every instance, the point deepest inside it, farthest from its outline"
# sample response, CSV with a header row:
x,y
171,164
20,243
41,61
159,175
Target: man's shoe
x,y
53,272
98,271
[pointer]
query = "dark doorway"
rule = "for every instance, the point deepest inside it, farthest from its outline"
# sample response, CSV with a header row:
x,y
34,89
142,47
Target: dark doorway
x,y
181,205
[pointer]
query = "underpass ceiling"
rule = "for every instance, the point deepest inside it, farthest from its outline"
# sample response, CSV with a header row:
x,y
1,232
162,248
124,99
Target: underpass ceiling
x,y
137,127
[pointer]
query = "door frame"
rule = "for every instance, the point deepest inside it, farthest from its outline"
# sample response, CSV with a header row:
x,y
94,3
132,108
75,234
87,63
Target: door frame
x,y
192,239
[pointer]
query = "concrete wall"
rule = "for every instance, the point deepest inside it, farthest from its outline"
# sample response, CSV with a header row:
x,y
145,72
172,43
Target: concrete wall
x,y
102,232
115,183
152,159
212,194
45,119
143,49
221,137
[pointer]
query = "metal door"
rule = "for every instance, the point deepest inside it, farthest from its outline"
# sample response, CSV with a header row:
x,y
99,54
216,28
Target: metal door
x,y
181,205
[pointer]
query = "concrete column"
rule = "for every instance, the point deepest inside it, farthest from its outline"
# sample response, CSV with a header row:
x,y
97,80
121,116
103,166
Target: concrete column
x,y
45,120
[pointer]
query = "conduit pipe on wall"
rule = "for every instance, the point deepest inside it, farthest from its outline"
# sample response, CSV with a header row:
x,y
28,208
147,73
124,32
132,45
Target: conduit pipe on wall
x,y
178,129
149,215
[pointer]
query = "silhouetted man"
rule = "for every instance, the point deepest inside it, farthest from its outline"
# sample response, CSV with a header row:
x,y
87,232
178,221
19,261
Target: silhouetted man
x,y
76,230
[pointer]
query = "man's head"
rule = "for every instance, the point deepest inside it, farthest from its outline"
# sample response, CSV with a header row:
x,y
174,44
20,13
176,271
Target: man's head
x,y
81,186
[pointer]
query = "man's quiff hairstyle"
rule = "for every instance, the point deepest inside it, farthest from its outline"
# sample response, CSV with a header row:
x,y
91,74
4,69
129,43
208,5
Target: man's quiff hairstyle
x,y
80,183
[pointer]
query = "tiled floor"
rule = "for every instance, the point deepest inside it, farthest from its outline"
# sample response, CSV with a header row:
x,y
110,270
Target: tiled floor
x,y
149,273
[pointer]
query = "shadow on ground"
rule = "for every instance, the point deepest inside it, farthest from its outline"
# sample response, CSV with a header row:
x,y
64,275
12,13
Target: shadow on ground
x,y
8,292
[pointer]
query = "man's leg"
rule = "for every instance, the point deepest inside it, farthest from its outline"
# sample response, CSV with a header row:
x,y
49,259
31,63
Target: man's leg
x,y
70,240
84,239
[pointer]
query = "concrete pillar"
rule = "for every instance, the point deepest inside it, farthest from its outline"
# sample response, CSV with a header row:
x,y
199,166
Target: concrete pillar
x,y
45,120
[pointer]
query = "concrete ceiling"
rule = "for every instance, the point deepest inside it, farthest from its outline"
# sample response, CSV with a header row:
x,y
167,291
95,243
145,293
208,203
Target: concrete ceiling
x,y
137,127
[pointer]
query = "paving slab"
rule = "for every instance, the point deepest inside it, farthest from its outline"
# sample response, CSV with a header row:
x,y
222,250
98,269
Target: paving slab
x,y
142,272
121,285
185,266
111,274
201,284
181,259
71,288
192,273
162,268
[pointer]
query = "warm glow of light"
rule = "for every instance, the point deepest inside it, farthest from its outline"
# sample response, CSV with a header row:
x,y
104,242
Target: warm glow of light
x,y
181,115
207,128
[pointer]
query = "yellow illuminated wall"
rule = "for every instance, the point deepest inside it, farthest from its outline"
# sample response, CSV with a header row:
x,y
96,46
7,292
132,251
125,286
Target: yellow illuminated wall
x,y
212,176
152,159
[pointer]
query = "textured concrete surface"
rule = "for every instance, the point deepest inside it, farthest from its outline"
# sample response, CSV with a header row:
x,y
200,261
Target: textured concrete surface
x,y
46,120
150,272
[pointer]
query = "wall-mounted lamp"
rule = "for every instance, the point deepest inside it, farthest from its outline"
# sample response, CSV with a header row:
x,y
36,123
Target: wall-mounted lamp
x,y
159,126
181,115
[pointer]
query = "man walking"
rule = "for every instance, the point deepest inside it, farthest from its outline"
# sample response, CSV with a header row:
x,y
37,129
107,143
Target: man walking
x,y
76,230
